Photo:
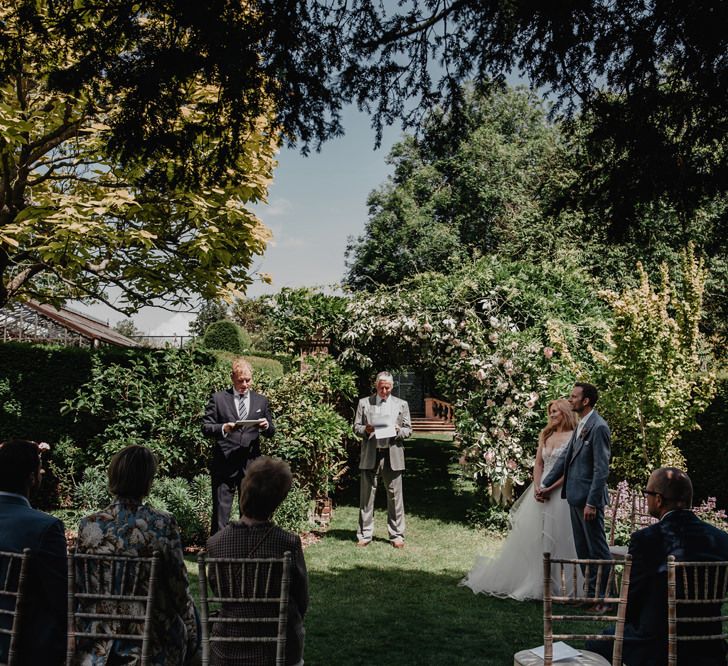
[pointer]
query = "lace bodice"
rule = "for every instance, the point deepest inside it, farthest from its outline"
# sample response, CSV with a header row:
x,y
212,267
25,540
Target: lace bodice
x,y
549,459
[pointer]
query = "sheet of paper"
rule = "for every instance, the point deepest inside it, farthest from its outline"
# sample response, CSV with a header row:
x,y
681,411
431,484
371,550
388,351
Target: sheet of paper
x,y
561,651
385,431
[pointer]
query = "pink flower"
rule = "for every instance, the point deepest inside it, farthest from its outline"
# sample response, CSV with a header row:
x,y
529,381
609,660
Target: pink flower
x,y
490,403
548,352
44,446
511,464
489,456
480,374
427,327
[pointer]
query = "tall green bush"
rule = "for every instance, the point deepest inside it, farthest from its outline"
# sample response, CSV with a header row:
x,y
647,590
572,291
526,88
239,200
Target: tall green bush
x,y
226,335
156,400
657,376
310,434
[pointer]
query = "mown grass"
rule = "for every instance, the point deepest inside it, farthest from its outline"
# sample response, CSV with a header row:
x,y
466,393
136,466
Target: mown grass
x,y
382,606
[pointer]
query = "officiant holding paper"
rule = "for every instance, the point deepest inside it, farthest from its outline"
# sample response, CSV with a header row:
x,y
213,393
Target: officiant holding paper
x,y
236,418
383,422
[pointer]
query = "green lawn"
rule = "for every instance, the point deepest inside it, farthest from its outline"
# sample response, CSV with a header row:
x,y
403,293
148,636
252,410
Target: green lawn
x,y
382,606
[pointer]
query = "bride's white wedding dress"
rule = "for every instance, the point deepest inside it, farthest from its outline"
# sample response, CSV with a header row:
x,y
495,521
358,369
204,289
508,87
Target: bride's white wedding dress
x,y
536,528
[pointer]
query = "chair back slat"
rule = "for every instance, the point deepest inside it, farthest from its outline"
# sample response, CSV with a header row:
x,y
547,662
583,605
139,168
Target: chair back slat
x,y
14,567
701,588
249,586
616,581
117,584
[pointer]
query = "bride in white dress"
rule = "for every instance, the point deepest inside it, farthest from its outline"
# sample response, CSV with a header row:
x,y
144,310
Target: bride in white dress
x,y
536,527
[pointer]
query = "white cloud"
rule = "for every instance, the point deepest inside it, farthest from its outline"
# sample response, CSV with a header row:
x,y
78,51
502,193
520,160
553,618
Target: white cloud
x,y
276,208
177,324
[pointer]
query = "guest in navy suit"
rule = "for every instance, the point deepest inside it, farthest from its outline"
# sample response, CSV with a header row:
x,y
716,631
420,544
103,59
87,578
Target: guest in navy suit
x,y
43,637
680,533
235,445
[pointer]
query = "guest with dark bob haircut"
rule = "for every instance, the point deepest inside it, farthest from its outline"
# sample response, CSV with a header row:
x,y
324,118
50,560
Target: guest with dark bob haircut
x,y
266,484
129,527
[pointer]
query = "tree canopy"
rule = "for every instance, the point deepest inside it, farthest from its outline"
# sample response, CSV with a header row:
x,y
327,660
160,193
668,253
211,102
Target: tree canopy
x,y
469,186
78,217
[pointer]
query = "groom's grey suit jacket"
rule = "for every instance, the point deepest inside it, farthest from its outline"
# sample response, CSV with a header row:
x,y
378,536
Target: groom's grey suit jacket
x,y
368,456
585,465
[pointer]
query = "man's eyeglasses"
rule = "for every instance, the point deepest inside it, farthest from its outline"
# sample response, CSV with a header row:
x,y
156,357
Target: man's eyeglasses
x,y
646,492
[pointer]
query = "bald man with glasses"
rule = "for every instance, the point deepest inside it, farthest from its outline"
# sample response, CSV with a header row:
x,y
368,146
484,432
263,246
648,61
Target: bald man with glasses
x,y
681,533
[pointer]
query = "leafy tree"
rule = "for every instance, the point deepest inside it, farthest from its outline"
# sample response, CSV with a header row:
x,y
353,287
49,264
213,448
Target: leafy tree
x,y
78,215
649,76
298,315
657,375
253,314
210,311
127,327
470,186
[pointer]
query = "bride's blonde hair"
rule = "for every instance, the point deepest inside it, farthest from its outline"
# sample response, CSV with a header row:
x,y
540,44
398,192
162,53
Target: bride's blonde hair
x,y
568,422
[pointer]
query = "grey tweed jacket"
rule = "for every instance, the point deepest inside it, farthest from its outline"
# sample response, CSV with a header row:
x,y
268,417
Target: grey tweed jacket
x,y
237,540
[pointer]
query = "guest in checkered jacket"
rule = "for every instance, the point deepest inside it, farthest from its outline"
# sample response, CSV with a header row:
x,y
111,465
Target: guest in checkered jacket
x,y
265,485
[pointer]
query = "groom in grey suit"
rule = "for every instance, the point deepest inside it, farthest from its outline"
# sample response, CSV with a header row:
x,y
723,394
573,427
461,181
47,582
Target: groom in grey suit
x,y
382,456
585,468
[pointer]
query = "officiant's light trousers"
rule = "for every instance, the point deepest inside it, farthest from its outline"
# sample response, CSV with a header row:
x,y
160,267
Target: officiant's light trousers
x,y
395,500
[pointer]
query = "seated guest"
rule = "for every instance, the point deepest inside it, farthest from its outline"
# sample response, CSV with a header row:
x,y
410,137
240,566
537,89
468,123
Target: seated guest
x,y
680,533
128,527
43,637
264,487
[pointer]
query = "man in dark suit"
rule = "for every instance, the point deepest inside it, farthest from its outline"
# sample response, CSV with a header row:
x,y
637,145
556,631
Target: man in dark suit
x,y
585,467
43,635
236,443
680,533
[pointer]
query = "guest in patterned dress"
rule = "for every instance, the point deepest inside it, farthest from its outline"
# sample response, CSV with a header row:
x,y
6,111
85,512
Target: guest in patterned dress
x,y
129,527
265,485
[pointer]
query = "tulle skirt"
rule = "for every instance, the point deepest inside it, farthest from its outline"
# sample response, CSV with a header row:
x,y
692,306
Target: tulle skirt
x,y
517,570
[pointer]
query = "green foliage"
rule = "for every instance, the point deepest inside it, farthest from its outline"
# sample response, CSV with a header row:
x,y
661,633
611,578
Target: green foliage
x,y
472,185
298,315
155,399
92,494
492,517
657,376
270,365
77,218
310,433
498,336
127,327
35,380
294,512
253,314
190,502
210,311
226,335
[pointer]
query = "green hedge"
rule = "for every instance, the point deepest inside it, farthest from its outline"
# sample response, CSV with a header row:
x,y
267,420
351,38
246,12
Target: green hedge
x,y
226,335
267,364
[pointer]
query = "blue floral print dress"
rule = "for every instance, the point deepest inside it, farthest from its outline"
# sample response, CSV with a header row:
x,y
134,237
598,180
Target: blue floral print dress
x,y
127,527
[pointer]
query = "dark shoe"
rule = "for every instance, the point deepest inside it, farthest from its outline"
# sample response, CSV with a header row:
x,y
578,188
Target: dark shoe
x,y
362,544
398,543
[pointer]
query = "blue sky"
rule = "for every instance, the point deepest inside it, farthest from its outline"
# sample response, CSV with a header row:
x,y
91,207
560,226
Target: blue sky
x,y
315,203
